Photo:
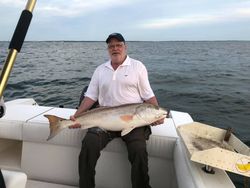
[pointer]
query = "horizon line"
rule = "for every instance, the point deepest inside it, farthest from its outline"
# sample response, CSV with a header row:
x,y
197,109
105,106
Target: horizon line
x,y
217,40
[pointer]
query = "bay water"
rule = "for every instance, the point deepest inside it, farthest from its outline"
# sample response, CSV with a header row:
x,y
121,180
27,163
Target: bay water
x,y
208,79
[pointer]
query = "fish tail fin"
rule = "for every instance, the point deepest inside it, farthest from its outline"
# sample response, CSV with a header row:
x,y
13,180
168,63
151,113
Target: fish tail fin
x,y
55,125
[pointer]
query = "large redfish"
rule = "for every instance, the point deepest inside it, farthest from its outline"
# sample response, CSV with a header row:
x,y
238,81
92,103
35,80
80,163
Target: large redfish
x,y
122,118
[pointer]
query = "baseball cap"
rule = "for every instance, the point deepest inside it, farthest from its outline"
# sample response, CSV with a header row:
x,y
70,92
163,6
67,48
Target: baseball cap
x,y
118,36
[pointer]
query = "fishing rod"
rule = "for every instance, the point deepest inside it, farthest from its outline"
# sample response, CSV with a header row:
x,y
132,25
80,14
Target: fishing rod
x,y
16,43
14,48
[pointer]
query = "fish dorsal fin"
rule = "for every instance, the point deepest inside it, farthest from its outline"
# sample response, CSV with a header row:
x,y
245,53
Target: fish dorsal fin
x,y
127,118
127,130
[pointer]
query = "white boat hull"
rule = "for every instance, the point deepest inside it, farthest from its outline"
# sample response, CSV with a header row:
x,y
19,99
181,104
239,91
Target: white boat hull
x,y
52,164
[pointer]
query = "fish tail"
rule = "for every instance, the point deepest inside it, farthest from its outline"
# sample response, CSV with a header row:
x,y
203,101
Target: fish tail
x,y
55,125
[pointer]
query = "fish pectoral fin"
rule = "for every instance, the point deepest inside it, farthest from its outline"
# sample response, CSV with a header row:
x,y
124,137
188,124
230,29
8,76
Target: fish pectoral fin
x,y
127,118
127,130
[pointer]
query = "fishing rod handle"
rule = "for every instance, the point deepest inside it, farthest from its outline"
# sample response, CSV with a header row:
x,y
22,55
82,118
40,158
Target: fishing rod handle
x,y
22,26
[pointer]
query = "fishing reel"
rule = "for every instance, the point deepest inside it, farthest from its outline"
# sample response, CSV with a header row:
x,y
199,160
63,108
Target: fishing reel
x,y
2,108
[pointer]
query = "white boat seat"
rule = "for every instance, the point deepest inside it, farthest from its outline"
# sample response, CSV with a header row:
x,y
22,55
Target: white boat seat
x,y
37,130
11,124
14,179
66,145
43,164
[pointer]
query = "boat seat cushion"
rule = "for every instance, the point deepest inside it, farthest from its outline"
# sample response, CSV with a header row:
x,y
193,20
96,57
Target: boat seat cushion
x,y
14,179
162,138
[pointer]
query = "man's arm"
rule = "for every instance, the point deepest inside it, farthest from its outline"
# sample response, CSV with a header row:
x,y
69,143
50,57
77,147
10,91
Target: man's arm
x,y
154,101
86,104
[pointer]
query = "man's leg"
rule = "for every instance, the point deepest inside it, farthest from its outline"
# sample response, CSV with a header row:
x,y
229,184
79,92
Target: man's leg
x,y
92,144
138,157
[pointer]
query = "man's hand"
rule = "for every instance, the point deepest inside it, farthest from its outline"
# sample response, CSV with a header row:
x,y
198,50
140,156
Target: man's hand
x,y
75,125
158,122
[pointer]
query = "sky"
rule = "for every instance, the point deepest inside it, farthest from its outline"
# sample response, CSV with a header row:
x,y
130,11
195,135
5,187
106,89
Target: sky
x,y
137,20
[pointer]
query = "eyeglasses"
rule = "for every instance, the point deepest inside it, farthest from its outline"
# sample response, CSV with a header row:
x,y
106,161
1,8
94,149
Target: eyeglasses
x,y
113,46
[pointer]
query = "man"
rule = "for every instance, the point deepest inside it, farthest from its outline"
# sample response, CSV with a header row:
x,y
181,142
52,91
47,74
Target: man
x,y
121,80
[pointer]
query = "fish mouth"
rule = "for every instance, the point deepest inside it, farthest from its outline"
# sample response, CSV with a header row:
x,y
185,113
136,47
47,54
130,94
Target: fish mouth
x,y
162,116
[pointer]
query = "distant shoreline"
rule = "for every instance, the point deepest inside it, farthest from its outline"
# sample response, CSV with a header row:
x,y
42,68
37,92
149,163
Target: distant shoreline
x,y
136,41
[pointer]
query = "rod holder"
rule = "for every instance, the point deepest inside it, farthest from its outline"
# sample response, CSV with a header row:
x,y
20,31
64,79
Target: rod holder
x,y
208,169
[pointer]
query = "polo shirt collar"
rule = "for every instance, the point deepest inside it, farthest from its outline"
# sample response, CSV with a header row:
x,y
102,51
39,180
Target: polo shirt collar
x,y
125,63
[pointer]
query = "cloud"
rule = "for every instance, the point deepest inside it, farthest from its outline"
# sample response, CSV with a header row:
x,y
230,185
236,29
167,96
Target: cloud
x,y
223,15
91,18
10,3
67,8
175,22
243,12
75,8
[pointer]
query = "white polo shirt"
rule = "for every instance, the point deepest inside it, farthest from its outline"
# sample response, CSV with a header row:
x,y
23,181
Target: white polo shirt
x,y
127,84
